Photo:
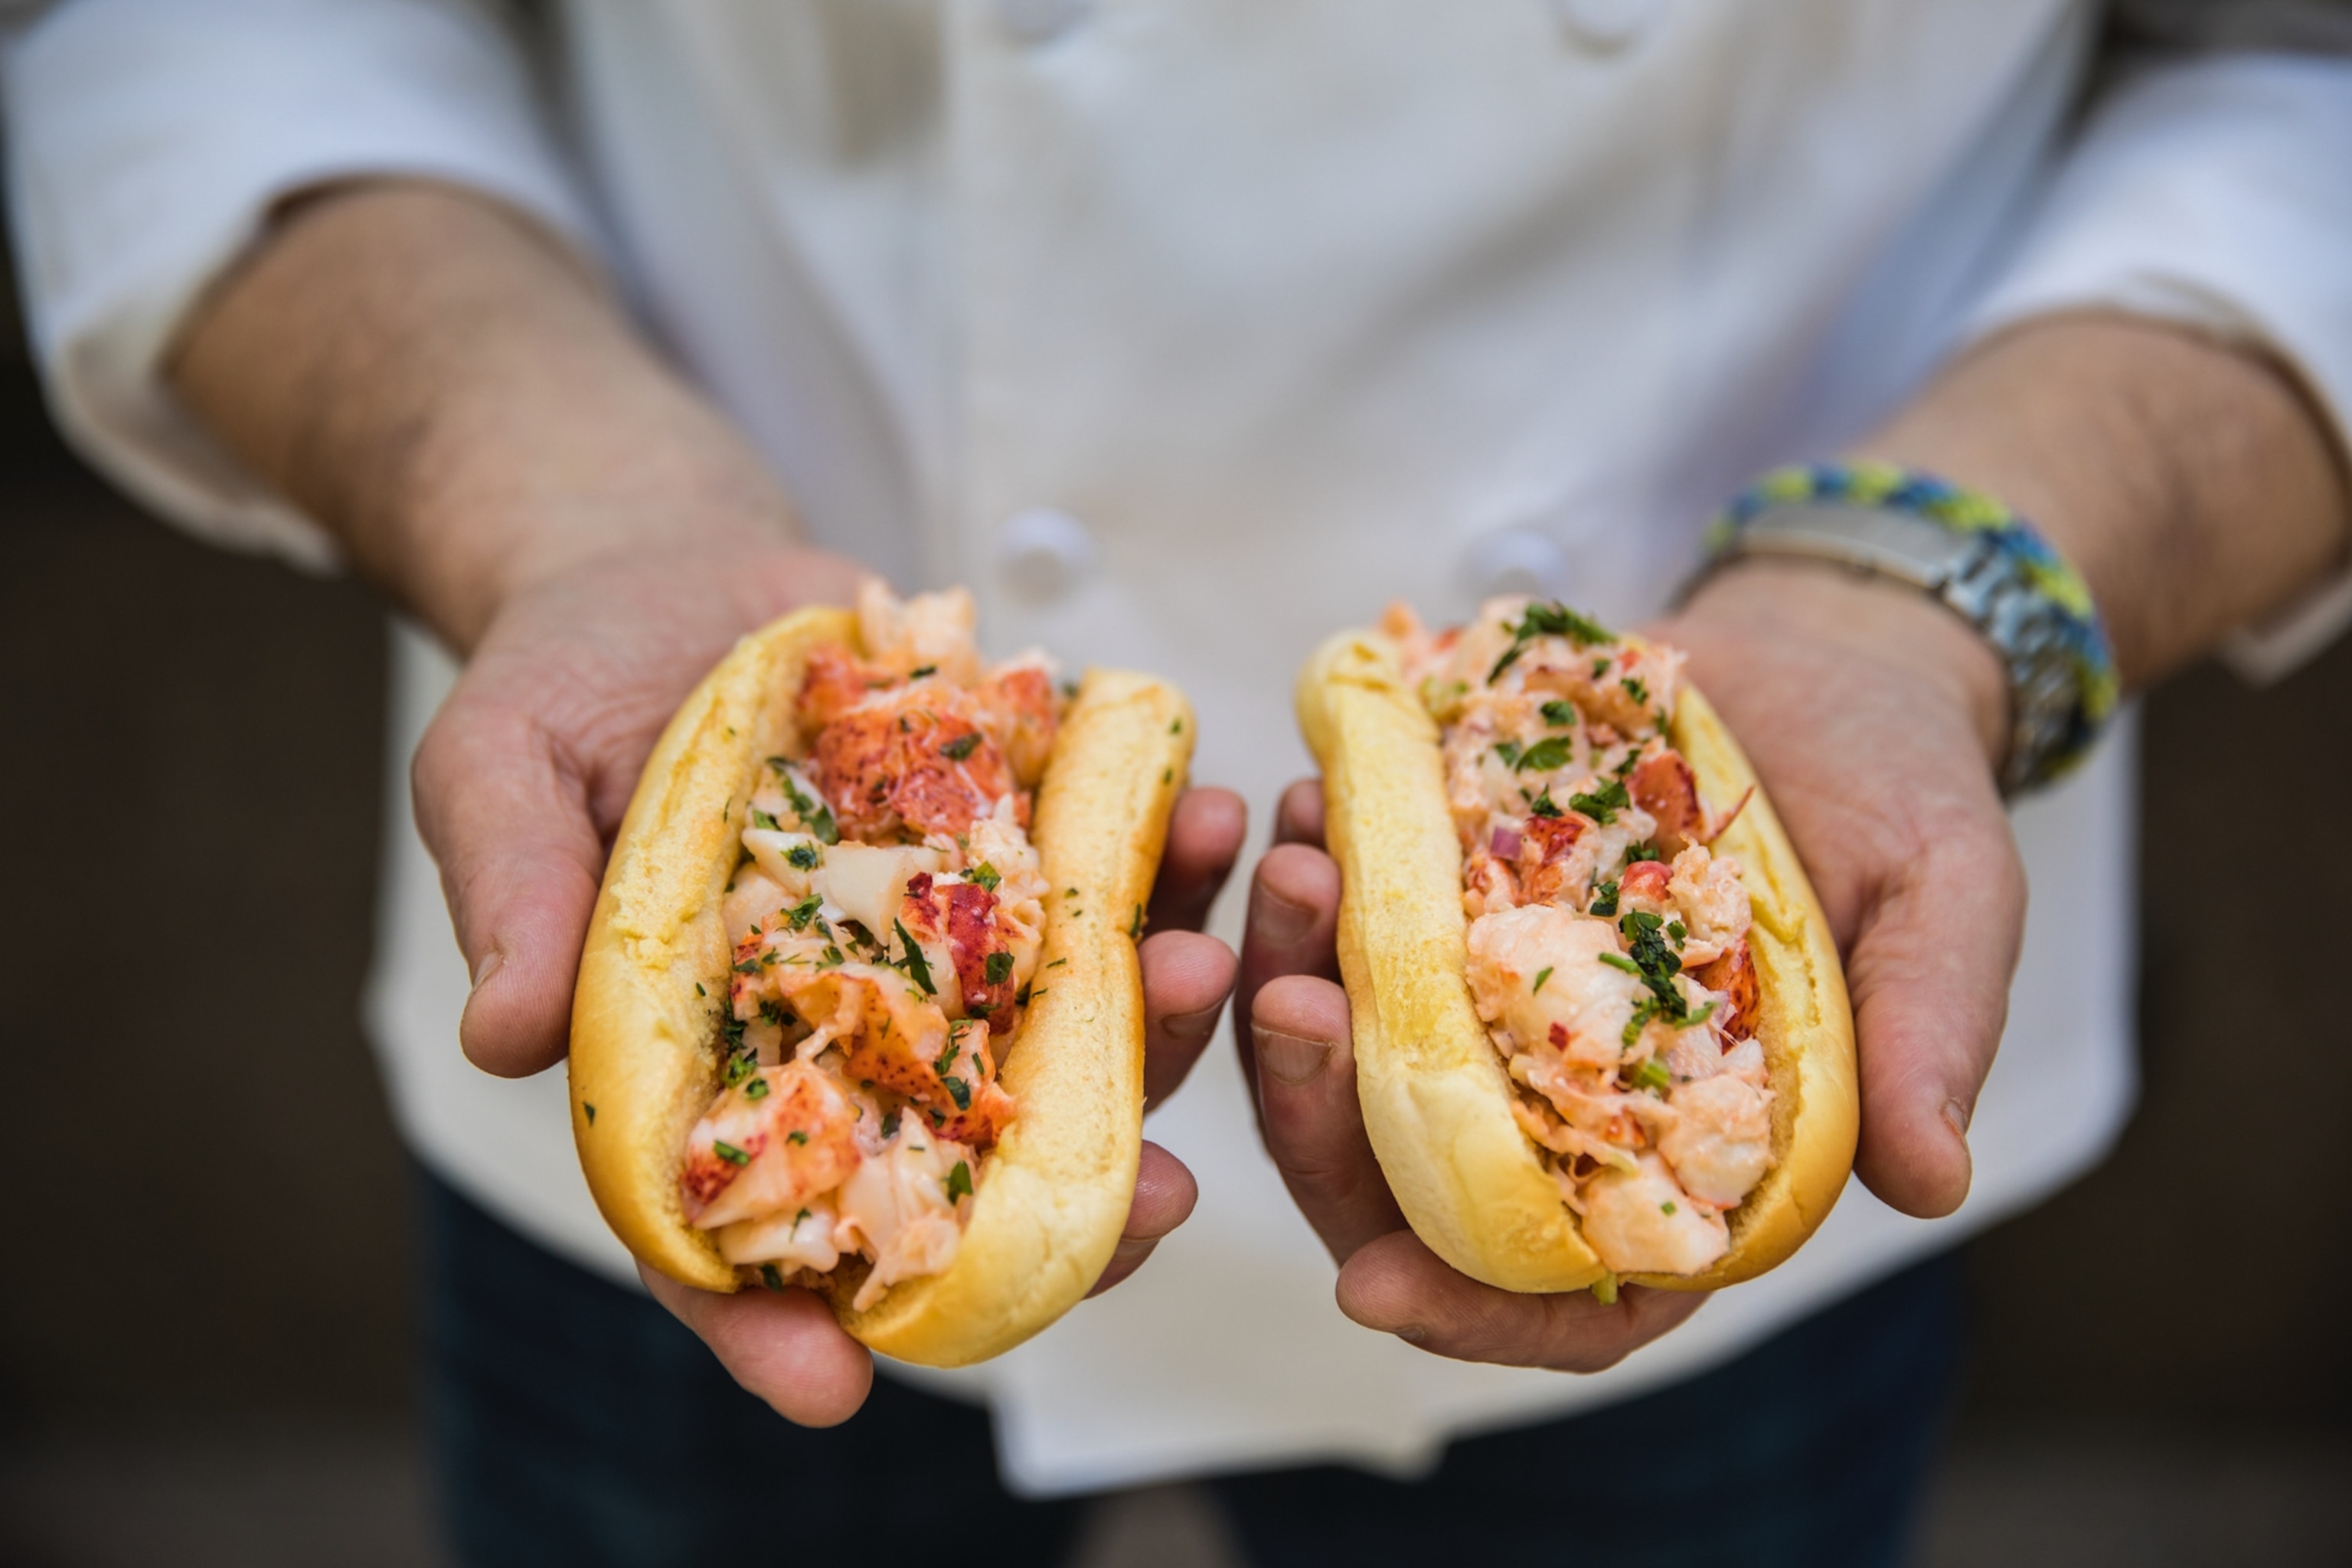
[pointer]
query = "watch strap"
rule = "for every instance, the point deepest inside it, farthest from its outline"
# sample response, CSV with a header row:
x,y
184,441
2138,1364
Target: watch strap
x,y
1978,558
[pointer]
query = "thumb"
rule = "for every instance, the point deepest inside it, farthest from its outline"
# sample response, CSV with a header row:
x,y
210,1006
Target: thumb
x,y
1930,972
507,820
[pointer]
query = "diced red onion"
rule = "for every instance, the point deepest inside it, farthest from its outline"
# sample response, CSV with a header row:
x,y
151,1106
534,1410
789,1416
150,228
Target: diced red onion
x,y
1505,844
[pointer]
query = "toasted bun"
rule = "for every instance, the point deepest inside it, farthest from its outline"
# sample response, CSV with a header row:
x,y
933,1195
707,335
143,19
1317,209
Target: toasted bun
x,y
1435,1094
645,1062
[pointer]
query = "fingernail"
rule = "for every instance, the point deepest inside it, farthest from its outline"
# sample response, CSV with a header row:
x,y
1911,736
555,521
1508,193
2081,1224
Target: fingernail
x,y
1292,1060
1412,1334
1279,919
1193,1025
1131,1248
489,966
1956,1117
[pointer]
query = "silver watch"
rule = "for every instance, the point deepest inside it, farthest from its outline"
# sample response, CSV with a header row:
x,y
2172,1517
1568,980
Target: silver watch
x,y
1984,584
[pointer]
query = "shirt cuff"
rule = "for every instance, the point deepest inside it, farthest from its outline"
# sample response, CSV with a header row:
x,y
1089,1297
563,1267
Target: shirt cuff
x,y
2210,193
148,141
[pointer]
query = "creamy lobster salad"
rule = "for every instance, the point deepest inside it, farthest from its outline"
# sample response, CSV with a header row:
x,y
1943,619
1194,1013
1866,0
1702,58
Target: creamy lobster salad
x,y
885,919
1607,943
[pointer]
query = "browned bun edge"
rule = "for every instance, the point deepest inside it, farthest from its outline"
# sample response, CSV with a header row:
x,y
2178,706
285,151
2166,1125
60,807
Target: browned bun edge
x,y
1052,1196
1435,1094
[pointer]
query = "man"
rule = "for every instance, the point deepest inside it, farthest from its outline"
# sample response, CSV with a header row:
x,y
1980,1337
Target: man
x,y
1186,332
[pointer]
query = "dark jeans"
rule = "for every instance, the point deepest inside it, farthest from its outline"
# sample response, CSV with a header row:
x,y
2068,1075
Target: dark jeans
x,y
577,1422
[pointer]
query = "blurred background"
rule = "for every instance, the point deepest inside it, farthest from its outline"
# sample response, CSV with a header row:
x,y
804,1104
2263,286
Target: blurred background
x,y
205,1336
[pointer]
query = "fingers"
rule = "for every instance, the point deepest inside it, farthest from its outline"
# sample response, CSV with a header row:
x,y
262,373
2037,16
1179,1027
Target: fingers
x,y
1186,978
1205,838
1299,818
1306,1079
1395,1284
1164,1194
507,823
783,1346
1930,973
1293,919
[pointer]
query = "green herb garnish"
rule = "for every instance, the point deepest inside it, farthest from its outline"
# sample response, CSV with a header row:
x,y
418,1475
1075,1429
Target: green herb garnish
x,y
959,748
959,1091
729,1152
997,968
959,1182
1543,805
1560,712
803,857
1541,975
1603,804
985,875
1604,898
919,968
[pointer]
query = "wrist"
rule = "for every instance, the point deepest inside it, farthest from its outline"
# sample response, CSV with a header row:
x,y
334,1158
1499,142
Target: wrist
x,y
1883,622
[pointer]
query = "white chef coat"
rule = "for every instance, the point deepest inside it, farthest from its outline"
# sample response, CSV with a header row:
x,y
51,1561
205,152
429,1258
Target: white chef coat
x,y
1185,330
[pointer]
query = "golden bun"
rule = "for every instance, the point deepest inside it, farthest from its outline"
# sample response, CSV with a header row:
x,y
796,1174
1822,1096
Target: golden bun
x,y
1436,1096
646,1060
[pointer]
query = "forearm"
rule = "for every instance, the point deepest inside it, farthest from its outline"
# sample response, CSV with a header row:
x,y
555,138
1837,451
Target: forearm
x,y
453,395
2190,482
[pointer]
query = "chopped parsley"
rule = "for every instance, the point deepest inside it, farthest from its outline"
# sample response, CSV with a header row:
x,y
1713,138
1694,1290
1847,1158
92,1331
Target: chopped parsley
x,y
796,1137
1554,620
1509,751
1657,965
1543,805
699,991
985,875
919,968
1619,960
1176,726
1560,712
1666,1208
959,748
1652,1074
1604,898
741,1065
1546,755
591,1110
773,1013
1640,692
1541,975
960,1181
1636,854
1675,930
762,819
769,1277
729,1152
948,1056
800,914
1603,804
1057,964
921,670
831,958
803,857
997,968
756,1090
1135,923
959,1091
731,1030
890,1124
818,818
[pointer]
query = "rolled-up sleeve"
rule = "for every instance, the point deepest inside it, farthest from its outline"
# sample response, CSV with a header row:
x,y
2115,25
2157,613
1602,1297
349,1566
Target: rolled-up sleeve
x,y
148,141
2215,192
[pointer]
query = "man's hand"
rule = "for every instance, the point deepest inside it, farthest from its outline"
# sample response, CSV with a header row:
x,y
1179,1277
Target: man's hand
x,y
1869,714
521,784
451,393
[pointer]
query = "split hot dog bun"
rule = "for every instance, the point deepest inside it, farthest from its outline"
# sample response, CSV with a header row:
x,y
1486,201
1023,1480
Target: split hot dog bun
x,y
1050,1196
1438,1097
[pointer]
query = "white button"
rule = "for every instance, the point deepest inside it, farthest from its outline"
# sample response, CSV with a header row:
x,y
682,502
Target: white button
x,y
1608,26
1039,21
1517,560
1045,553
